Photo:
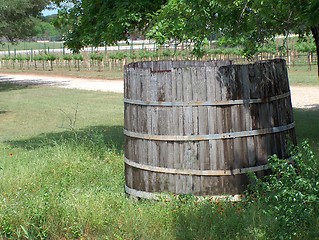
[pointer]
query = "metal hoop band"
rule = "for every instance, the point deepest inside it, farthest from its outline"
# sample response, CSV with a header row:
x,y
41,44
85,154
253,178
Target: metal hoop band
x,y
217,136
208,103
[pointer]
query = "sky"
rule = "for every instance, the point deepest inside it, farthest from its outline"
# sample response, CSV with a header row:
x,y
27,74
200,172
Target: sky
x,y
47,12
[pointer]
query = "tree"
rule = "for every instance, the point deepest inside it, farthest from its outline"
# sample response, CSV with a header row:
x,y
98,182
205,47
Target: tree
x,y
247,22
103,21
268,18
18,16
45,30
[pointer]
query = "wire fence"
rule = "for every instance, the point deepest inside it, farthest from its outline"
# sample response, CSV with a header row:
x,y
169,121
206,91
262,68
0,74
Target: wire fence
x,y
54,55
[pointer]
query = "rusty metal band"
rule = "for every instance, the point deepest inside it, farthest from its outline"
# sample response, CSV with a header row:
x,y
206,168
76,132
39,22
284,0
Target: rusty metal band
x,y
217,136
157,195
208,103
195,172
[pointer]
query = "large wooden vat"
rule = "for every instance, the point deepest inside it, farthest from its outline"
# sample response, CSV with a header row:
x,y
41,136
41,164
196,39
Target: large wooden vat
x,y
199,127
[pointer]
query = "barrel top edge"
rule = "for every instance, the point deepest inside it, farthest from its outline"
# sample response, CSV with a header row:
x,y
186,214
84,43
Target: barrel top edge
x,y
175,64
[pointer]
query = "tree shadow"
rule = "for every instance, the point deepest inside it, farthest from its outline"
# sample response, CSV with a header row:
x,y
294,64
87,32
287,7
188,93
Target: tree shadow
x,y
93,137
9,84
312,107
307,127
206,219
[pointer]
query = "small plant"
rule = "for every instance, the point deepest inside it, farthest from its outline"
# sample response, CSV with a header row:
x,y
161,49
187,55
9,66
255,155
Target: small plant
x,y
68,58
144,54
96,56
51,58
133,56
167,53
37,58
154,55
78,58
21,59
121,56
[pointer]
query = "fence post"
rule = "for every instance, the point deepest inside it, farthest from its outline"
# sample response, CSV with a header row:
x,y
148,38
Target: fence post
x,y
309,60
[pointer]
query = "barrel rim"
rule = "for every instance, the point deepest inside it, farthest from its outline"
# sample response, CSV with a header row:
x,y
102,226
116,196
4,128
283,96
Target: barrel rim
x,y
223,63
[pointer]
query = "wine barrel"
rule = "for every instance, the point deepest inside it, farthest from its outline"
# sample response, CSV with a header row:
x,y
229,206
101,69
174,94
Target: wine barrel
x,y
194,127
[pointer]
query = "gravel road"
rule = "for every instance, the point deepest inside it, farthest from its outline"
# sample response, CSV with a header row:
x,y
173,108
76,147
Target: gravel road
x,y
302,96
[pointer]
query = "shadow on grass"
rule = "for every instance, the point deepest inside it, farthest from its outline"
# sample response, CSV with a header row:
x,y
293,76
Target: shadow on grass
x,y
314,107
307,125
9,84
94,137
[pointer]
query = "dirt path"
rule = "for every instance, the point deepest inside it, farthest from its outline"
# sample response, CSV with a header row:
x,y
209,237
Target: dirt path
x,y
65,82
305,97
302,96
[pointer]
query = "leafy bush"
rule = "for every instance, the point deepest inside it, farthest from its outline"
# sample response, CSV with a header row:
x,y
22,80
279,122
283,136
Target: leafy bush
x,y
52,57
133,55
120,55
167,52
306,47
22,57
6,58
144,54
268,48
290,194
97,56
78,57
38,57
67,57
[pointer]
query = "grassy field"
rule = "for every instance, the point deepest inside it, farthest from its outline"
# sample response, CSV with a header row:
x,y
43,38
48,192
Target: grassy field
x,y
301,75
30,45
62,176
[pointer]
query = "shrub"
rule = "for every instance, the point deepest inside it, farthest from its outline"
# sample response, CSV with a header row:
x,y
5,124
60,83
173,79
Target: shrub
x,y
97,56
6,58
306,47
67,57
290,194
144,54
133,55
167,52
38,57
51,57
22,57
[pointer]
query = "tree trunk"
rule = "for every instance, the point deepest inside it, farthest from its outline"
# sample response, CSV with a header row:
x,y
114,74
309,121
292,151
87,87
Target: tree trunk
x,y
315,33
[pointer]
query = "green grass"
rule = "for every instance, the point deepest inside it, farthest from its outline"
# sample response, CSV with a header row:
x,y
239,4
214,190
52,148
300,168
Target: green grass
x,y
61,179
62,176
302,75
29,111
307,126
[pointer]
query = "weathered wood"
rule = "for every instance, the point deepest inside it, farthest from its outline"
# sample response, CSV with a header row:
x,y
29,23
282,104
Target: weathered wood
x,y
228,118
